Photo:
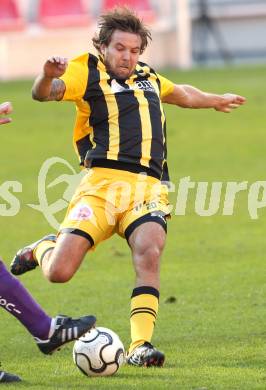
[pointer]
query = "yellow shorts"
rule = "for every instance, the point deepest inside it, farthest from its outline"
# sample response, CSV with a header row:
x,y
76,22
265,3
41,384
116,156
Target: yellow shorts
x,y
110,201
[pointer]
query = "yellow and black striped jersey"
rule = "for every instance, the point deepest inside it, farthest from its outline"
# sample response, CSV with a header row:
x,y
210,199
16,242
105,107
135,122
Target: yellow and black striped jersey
x,y
118,120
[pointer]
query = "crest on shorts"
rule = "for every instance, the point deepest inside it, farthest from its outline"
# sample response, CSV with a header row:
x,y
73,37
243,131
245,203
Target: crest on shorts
x,y
81,212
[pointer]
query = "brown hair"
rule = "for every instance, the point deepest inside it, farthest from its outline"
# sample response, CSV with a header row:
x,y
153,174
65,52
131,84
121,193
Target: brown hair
x,y
124,19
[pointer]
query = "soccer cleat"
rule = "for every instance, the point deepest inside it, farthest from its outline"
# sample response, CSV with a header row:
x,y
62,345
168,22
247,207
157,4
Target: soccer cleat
x,y
66,329
24,260
146,355
5,377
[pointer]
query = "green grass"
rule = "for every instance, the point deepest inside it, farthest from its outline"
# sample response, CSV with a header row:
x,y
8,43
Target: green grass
x,y
214,333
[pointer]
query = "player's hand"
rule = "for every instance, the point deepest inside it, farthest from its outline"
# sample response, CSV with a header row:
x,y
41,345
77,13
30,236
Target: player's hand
x,y
55,67
5,109
228,102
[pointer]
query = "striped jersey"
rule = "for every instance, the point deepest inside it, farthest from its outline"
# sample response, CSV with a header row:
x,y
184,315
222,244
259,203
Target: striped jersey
x,y
118,120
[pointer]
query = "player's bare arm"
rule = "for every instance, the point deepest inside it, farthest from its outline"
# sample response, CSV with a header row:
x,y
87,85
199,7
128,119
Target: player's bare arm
x,y
5,109
187,96
47,85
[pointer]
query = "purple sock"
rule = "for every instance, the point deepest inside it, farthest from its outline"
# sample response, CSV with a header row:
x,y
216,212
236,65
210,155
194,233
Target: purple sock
x,y
15,299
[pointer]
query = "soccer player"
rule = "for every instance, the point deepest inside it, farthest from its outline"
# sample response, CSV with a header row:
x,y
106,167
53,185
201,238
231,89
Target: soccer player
x,y
120,135
49,333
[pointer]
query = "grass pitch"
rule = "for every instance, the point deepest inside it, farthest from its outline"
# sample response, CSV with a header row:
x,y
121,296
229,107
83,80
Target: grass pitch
x,y
213,333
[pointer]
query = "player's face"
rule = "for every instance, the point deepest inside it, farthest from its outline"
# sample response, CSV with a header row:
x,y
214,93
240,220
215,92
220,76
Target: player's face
x,y
122,53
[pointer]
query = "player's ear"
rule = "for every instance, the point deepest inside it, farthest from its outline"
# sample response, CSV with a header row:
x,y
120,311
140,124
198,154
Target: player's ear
x,y
103,49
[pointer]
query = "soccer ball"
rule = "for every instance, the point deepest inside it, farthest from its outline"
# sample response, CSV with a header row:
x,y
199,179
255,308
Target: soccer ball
x,y
99,352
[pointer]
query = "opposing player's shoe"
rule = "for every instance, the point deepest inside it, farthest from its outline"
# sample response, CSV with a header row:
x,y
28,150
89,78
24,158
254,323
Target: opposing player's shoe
x,y
66,329
24,260
146,355
5,377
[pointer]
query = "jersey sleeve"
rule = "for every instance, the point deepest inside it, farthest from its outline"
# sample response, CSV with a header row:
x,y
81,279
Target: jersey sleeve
x,y
75,78
167,86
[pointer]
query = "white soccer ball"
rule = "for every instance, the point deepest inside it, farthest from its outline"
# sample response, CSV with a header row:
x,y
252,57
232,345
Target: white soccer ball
x,y
99,352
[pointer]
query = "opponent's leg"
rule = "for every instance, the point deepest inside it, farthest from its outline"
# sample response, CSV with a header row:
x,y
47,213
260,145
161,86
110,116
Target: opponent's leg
x,y
49,333
16,300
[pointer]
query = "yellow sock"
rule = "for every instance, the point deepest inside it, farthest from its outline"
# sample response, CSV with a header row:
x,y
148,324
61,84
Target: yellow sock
x,y
41,249
144,309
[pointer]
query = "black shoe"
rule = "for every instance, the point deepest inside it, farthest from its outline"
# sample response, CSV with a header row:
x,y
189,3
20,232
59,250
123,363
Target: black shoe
x,y
24,260
66,330
5,377
146,355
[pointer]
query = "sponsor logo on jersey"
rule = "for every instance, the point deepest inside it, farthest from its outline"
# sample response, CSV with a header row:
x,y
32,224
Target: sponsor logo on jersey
x,y
144,85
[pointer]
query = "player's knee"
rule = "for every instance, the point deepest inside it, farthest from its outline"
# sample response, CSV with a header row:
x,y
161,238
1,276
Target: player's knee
x,y
151,249
152,253
57,278
58,275
148,260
